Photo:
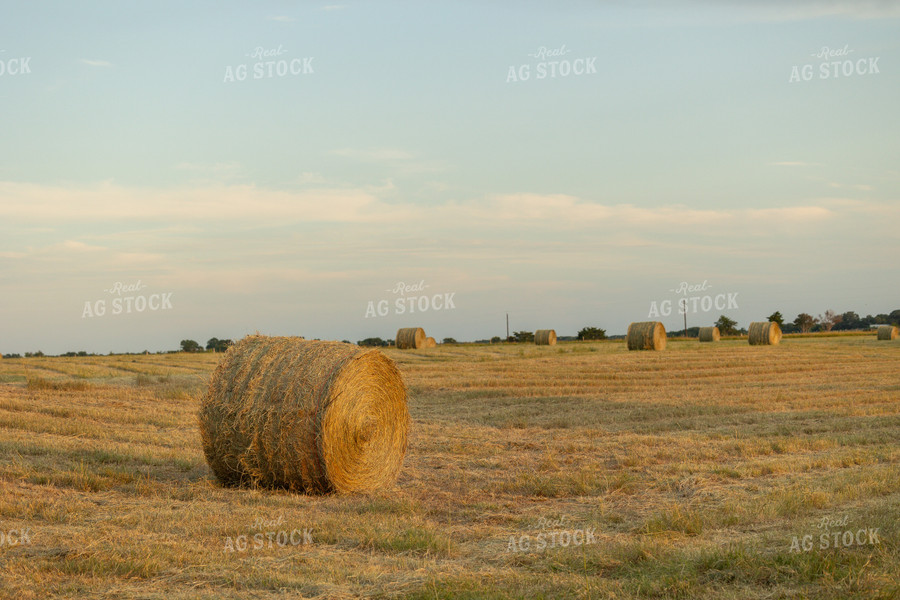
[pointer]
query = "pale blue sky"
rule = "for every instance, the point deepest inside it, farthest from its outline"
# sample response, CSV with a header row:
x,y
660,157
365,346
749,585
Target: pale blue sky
x,y
285,205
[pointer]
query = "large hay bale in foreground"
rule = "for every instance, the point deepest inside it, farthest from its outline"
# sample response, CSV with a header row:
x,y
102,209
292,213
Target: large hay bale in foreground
x,y
646,335
545,337
430,342
410,338
709,334
309,416
887,332
764,333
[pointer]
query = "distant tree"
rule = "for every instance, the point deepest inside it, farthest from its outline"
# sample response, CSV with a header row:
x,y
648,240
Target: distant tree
x,y
726,326
804,322
850,320
346,341
190,346
592,333
829,320
13,355
449,341
375,342
37,354
523,336
776,316
496,339
895,317
217,345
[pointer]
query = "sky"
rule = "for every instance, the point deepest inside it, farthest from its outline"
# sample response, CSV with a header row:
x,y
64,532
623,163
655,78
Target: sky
x,y
216,169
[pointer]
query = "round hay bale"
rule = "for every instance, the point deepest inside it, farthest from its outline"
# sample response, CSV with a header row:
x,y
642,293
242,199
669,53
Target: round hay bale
x,y
709,334
429,343
887,332
646,335
764,333
410,338
545,337
309,416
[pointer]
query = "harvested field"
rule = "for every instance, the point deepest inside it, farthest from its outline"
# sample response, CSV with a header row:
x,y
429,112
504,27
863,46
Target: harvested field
x,y
689,473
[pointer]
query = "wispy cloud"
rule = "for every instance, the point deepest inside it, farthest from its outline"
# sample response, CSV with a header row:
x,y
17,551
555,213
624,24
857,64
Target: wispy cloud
x,y
236,203
567,211
862,187
95,63
282,19
401,162
250,205
217,170
76,246
795,10
308,178
373,154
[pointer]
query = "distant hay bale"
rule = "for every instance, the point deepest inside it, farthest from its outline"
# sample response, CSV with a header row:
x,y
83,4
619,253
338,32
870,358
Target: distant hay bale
x,y
309,416
646,335
410,338
429,343
709,334
887,332
545,337
764,333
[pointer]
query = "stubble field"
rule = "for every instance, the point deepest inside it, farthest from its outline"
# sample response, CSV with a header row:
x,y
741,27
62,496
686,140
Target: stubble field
x,y
575,471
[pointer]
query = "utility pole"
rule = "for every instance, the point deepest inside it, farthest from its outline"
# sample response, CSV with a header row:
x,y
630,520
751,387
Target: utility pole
x,y
507,327
685,317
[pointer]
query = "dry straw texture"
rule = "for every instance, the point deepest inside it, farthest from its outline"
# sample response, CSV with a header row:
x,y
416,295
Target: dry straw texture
x,y
309,416
545,337
430,343
410,338
646,335
709,334
887,332
764,333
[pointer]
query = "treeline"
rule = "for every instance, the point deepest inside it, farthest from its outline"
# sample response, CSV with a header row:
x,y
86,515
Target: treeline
x,y
213,344
806,323
802,323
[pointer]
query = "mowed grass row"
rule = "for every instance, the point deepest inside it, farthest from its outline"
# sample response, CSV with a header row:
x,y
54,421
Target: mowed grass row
x,y
693,469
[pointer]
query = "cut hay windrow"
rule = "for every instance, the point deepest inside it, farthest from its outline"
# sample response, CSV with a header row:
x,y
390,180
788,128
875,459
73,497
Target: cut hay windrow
x,y
545,337
646,335
309,416
410,338
709,334
430,342
764,333
887,332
